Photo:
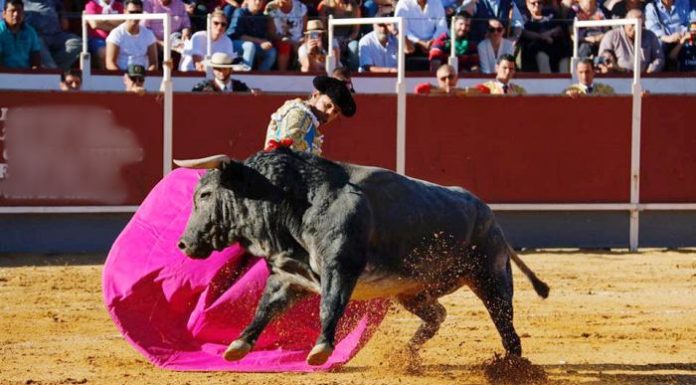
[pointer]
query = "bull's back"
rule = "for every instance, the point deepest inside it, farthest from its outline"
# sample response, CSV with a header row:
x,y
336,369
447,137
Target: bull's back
x,y
415,221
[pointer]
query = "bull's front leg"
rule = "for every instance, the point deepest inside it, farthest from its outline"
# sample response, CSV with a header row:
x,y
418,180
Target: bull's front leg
x,y
338,278
277,296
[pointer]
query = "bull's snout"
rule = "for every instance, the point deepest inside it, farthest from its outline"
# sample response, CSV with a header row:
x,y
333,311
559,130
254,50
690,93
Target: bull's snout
x,y
190,250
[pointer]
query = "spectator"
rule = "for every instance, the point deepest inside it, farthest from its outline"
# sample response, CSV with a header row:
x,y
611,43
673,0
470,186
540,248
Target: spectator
x,y
507,13
684,53
586,84
502,85
99,30
447,80
379,49
668,20
19,43
196,48
180,22
590,38
606,63
493,47
545,45
619,8
222,69
249,33
371,8
425,22
198,11
289,20
464,48
347,36
620,41
312,53
59,49
134,79
129,43
71,80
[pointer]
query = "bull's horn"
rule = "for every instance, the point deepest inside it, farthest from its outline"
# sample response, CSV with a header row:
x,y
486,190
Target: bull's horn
x,y
207,162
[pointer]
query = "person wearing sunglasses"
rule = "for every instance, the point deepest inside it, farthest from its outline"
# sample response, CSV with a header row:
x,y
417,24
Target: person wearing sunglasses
x,y
545,45
493,47
131,43
196,48
447,80
505,11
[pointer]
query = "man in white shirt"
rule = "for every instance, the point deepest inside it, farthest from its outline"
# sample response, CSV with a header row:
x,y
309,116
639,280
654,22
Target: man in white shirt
x,y
196,48
425,22
129,43
379,49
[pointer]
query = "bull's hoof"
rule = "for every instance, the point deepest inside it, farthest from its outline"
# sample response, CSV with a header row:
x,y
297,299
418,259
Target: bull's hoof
x,y
237,350
319,354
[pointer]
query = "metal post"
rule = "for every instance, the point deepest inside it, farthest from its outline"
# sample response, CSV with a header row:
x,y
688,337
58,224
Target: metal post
x,y
168,99
330,58
635,138
575,58
453,61
85,58
209,50
401,101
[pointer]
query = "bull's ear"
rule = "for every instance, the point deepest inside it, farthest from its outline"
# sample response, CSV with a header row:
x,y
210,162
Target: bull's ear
x,y
209,162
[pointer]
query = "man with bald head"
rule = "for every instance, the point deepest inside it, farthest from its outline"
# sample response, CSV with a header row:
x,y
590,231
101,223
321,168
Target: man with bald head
x,y
620,40
447,79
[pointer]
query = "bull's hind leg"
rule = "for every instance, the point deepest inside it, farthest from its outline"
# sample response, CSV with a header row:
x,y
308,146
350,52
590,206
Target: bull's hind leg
x,y
277,296
495,290
432,313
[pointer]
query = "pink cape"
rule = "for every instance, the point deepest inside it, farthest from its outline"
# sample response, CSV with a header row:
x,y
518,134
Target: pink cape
x,y
182,313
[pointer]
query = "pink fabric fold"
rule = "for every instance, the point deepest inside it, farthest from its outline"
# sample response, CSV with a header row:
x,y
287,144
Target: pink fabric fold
x,y
182,313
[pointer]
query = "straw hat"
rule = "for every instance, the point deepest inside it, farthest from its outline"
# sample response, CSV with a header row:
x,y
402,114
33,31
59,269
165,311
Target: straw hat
x,y
315,26
223,60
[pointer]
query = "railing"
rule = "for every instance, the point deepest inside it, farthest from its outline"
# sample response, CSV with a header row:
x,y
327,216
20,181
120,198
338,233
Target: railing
x,y
166,88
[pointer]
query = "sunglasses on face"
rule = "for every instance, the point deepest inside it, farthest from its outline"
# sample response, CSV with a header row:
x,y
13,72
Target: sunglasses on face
x,y
222,23
495,29
137,79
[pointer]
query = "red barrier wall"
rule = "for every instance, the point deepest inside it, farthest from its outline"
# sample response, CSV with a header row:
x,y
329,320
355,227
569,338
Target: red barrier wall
x,y
142,116
531,149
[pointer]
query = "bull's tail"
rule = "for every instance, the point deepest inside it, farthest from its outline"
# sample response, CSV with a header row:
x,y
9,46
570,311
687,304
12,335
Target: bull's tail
x,y
541,288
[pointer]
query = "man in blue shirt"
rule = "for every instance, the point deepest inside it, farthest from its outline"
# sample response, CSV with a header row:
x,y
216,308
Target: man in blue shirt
x,y
249,33
19,43
668,19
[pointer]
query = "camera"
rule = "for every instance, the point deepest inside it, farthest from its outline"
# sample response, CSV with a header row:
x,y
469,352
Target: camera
x,y
314,35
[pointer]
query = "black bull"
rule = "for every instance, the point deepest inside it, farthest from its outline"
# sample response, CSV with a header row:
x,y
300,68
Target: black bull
x,y
347,231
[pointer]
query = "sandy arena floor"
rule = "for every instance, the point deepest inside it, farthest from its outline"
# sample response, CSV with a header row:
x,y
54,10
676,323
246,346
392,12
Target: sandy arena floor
x,y
612,318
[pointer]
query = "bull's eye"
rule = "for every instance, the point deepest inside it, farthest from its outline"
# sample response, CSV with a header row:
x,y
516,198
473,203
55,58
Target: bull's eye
x,y
204,195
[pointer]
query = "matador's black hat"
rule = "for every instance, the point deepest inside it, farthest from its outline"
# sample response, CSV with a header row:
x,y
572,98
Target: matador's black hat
x,y
338,92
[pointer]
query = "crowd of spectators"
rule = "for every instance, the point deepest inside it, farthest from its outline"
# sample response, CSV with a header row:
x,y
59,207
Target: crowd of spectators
x,y
291,35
